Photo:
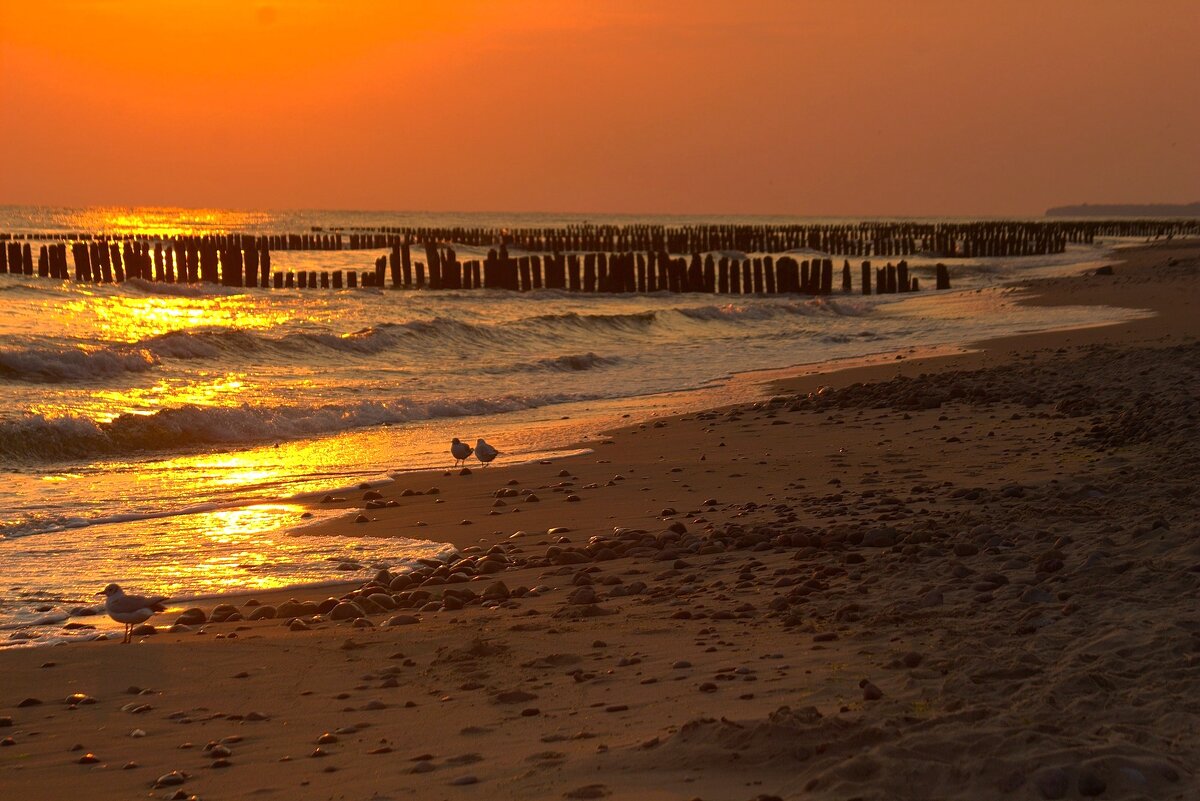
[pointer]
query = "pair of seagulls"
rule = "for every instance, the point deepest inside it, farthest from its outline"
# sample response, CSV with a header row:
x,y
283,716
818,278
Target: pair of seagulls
x,y
483,452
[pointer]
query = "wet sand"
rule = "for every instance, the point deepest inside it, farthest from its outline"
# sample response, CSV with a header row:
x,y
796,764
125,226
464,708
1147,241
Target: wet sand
x,y
966,577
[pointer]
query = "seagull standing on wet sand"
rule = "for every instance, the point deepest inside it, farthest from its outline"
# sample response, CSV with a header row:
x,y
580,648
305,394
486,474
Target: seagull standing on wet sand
x,y
459,450
485,453
130,609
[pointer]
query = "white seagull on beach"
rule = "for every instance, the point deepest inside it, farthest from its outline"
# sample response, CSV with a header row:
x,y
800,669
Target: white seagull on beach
x,y
485,453
130,609
460,450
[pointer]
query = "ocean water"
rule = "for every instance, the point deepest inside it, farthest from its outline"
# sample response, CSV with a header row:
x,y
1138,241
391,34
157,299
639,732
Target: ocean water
x,y
161,435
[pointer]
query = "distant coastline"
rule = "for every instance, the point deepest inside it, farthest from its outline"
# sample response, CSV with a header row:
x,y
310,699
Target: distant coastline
x,y
1126,210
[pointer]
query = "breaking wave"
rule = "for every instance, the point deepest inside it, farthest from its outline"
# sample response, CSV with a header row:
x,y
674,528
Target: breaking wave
x,y
57,365
65,364
36,438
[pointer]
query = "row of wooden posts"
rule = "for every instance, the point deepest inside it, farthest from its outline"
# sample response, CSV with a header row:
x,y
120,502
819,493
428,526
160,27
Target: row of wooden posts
x,y
935,240
1002,238
192,259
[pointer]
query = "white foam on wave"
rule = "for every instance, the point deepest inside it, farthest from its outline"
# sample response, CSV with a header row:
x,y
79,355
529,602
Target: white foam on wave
x,y
35,437
73,364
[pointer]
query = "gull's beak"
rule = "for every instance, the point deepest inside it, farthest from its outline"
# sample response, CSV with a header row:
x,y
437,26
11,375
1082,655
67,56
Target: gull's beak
x,y
100,593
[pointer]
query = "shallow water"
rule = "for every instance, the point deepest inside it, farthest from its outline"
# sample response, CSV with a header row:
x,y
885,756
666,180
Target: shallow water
x,y
122,406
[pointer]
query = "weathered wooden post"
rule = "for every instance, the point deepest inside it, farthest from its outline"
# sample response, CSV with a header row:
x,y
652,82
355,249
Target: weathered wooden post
x,y
208,262
491,270
289,281
302,279
278,280
525,270
118,269
78,254
160,272
943,276
602,273
251,262
846,287
589,272
573,272
352,280
104,273
395,264
535,267
891,278
433,259
694,277
405,262
337,279
234,251
264,262
43,265
880,281
902,276
826,276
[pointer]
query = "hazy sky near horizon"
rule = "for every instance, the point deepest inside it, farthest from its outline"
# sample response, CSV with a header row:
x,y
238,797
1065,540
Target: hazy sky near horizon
x,y
810,107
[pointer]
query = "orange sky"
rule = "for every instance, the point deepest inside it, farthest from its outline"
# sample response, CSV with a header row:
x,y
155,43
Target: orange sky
x,y
845,107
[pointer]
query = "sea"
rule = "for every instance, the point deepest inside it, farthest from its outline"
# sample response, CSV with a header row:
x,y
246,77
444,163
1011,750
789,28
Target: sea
x,y
164,436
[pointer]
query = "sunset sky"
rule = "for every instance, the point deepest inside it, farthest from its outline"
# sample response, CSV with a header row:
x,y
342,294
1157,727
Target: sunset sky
x,y
677,106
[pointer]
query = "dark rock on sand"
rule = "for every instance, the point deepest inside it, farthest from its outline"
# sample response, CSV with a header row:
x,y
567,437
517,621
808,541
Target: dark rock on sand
x,y
194,616
346,610
265,612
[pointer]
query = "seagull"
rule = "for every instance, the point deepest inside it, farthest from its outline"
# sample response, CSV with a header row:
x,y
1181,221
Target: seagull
x,y
130,609
460,450
485,453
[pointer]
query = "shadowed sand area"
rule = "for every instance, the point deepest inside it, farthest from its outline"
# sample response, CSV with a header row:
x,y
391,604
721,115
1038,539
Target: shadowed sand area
x,y
968,577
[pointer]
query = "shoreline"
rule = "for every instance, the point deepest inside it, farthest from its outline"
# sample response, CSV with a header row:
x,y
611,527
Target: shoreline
x,y
797,378
975,573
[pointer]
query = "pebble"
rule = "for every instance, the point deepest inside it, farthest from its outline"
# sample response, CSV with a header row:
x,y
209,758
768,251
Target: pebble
x,y
192,617
170,779
346,610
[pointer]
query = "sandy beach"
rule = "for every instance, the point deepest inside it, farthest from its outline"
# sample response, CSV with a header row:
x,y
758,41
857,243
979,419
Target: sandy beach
x,y
967,577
